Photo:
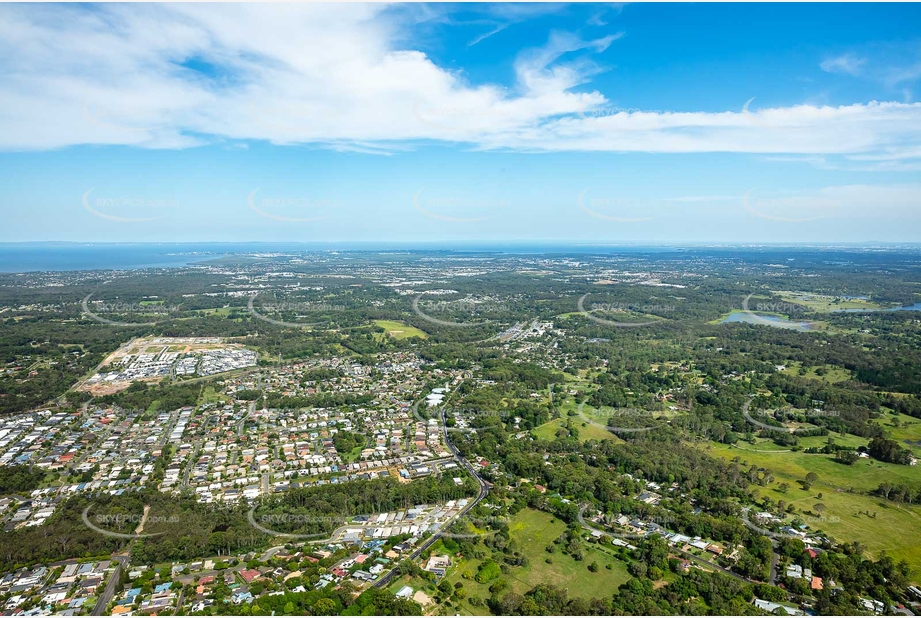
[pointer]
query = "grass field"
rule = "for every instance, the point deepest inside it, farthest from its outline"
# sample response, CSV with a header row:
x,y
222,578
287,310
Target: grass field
x,y
219,311
822,303
832,374
353,454
908,433
399,330
865,475
534,530
587,431
209,395
896,529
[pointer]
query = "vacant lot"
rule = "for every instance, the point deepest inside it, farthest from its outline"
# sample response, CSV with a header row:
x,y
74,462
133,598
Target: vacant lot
x,y
399,330
533,530
587,430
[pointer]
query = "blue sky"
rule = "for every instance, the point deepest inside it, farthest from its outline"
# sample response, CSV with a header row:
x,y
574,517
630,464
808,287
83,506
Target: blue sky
x,y
587,122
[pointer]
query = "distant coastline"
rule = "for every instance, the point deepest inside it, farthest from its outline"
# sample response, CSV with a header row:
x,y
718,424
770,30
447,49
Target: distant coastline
x,y
21,257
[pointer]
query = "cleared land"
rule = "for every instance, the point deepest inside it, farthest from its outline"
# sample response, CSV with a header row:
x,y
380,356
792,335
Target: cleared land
x,y
533,531
587,430
399,330
895,529
823,303
830,373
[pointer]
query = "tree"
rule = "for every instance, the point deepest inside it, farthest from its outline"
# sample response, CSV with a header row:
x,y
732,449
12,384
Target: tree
x,y
638,569
324,607
846,457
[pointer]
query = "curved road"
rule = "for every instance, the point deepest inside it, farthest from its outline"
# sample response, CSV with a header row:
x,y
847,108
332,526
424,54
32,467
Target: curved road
x,y
484,491
687,555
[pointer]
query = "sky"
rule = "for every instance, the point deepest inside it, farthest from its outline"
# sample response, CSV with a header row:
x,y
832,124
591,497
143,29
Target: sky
x,y
441,123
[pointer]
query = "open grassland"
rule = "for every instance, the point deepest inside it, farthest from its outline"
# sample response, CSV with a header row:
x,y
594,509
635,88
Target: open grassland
x,y
587,430
533,531
823,304
222,312
399,330
904,429
864,475
830,373
889,527
209,395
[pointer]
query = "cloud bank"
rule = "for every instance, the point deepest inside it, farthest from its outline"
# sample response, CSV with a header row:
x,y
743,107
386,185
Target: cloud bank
x,y
176,76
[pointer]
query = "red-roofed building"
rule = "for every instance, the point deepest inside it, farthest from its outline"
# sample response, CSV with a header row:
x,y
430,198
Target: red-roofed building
x,y
249,575
812,553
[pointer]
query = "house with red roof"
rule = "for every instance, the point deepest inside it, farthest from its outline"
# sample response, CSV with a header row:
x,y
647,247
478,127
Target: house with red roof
x,y
249,575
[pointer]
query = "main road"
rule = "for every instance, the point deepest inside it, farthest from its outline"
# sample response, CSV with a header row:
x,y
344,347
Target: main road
x,y
483,492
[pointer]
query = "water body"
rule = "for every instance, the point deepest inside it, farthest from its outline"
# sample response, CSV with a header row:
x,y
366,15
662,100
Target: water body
x,y
767,320
782,322
19,258
915,307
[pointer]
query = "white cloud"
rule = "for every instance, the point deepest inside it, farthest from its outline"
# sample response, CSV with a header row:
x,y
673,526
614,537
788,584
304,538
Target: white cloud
x,y
174,76
848,64
892,64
